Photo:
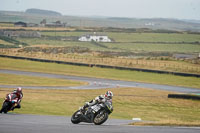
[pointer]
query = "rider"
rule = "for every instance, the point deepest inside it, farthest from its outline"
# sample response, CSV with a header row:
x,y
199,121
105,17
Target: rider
x,y
100,99
19,95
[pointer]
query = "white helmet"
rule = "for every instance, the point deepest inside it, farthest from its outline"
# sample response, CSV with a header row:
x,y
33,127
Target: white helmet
x,y
19,90
109,94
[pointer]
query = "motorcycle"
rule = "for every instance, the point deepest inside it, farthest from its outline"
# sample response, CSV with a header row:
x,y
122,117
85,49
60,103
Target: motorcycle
x,y
96,114
9,103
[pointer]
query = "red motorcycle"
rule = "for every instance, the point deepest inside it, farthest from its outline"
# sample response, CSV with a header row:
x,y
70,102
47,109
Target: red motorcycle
x,y
9,103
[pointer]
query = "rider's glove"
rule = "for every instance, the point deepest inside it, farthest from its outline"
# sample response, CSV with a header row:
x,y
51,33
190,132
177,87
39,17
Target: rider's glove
x,y
86,105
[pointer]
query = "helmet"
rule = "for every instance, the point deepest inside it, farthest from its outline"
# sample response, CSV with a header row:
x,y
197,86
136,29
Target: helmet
x,y
109,94
19,90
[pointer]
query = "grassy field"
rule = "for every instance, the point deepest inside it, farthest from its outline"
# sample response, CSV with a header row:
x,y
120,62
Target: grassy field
x,y
11,27
12,79
5,42
124,42
154,37
149,105
3,25
147,47
99,72
63,33
138,50
135,37
153,63
60,43
120,47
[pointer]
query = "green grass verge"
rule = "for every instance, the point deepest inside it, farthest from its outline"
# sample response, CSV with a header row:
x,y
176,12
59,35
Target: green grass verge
x,y
168,79
147,104
37,41
153,37
12,79
158,47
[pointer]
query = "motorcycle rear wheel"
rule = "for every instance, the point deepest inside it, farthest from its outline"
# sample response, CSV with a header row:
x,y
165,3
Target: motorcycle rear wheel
x,y
100,118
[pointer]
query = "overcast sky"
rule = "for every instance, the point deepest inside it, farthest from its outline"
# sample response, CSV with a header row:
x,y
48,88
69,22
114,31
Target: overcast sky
x,y
181,9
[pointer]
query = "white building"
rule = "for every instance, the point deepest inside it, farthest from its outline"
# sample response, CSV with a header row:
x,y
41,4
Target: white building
x,y
149,24
94,37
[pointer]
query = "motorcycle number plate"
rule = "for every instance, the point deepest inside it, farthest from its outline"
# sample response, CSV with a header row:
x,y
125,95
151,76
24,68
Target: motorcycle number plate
x,y
96,108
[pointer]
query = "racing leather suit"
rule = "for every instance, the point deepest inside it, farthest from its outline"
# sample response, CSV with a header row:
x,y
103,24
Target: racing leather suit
x,y
98,99
17,99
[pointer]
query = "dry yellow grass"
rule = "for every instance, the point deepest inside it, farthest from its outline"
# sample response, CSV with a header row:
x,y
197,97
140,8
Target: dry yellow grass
x,y
37,28
12,79
167,122
5,42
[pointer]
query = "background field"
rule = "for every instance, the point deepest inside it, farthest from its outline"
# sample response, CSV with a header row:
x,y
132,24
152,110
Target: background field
x,y
132,37
120,46
146,50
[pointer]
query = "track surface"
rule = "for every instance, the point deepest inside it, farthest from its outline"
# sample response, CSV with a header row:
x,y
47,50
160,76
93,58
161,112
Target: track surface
x,y
15,123
96,83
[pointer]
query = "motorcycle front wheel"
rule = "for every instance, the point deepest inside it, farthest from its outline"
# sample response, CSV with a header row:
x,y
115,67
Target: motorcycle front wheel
x,y
5,107
100,118
75,119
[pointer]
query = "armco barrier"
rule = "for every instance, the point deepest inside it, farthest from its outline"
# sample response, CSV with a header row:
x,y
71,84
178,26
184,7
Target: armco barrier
x,y
45,60
103,66
184,96
149,70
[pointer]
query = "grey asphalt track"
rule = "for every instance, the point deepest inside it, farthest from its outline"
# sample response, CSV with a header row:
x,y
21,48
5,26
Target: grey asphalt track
x,y
17,123
96,83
